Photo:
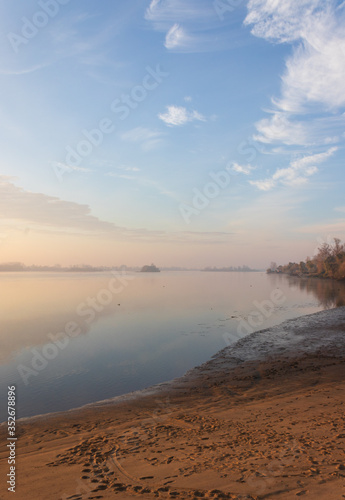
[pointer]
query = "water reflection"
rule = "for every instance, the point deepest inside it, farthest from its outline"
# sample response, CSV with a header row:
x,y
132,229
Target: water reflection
x,y
156,329
35,306
328,292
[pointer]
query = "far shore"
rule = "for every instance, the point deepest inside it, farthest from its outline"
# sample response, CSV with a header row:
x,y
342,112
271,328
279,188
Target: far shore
x,y
263,418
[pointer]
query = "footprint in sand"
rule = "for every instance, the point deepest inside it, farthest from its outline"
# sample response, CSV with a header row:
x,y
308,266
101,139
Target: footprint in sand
x,y
100,487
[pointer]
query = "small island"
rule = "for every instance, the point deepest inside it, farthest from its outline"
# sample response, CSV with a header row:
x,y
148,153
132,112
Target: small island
x,y
150,269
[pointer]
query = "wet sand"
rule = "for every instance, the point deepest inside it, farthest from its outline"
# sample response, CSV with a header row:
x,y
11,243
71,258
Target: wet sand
x,y
262,419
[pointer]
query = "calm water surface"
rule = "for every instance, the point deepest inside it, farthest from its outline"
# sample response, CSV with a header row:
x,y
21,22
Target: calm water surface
x,y
128,332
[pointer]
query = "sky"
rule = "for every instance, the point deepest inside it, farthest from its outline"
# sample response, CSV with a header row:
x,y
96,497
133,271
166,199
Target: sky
x,y
180,132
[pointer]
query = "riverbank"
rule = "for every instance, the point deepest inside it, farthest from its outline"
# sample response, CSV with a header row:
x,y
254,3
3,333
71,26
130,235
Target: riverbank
x,y
262,419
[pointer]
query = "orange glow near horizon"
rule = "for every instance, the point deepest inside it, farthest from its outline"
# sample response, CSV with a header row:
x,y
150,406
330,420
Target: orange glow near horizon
x,y
51,249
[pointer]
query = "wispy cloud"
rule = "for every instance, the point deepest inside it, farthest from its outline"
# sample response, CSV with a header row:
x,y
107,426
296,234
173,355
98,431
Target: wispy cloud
x,y
336,228
242,169
280,21
189,26
112,166
313,81
147,183
162,12
176,37
297,173
279,128
148,139
63,167
22,71
306,161
250,221
27,211
179,115
265,185
302,130
160,188
128,169
37,210
120,176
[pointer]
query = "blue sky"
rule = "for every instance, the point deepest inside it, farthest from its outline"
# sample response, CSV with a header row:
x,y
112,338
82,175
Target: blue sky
x,y
116,118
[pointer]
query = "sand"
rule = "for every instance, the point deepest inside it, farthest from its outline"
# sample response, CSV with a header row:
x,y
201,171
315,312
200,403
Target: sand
x,y
262,419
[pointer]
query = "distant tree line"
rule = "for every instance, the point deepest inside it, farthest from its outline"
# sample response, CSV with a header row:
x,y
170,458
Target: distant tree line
x,y
231,269
329,262
20,267
83,268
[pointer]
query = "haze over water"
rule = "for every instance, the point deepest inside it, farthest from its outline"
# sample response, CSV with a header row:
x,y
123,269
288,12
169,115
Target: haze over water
x,y
152,328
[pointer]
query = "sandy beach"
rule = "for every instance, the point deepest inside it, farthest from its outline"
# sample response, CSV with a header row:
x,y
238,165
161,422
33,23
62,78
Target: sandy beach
x,y
263,418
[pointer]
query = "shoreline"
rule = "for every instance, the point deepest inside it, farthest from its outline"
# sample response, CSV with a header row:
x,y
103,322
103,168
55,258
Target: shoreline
x,y
263,418
253,347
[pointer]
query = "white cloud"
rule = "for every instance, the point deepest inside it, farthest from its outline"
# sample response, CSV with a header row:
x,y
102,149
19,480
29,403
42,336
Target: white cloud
x,y
313,159
313,80
297,173
280,21
264,185
299,130
178,115
151,9
176,37
242,169
280,129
